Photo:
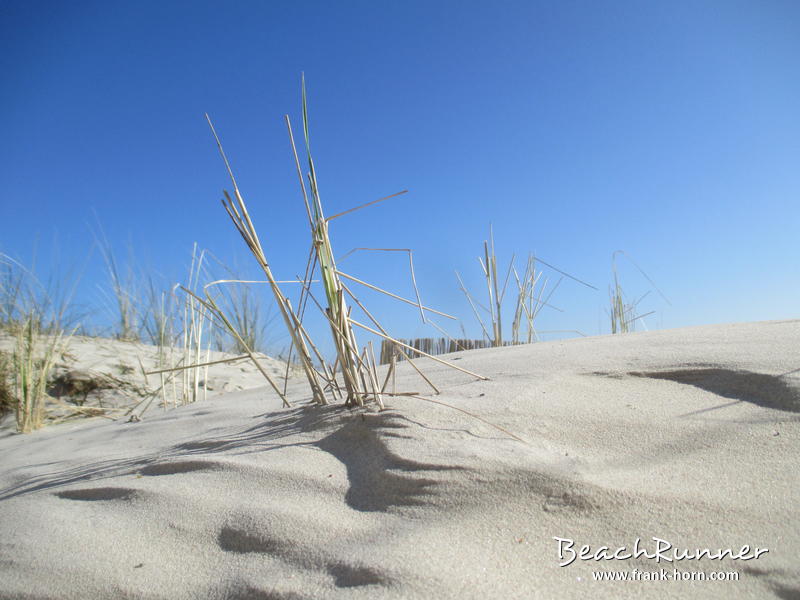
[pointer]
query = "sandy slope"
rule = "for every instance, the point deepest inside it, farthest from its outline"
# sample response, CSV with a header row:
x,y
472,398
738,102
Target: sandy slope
x,y
109,376
689,435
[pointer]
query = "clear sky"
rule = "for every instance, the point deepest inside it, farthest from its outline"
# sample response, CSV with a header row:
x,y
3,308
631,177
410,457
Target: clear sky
x,y
669,130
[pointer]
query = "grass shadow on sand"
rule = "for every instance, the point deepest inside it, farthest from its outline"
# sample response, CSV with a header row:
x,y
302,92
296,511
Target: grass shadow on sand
x,y
266,435
379,479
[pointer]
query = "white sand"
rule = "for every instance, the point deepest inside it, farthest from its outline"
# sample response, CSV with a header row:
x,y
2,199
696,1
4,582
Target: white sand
x,y
235,497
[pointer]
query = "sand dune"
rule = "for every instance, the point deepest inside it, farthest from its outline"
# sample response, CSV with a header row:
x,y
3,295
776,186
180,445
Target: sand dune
x,y
109,377
690,436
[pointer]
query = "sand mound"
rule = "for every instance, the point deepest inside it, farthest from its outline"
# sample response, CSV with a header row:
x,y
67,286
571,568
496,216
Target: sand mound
x,y
105,376
689,436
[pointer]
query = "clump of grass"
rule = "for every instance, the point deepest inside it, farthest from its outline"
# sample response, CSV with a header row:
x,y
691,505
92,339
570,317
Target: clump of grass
x,y
195,335
34,315
530,301
7,403
241,219
180,322
357,369
175,323
530,297
36,319
623,313
12,282
124,289
246,316
495,291
351,365
244,306
178,327
32,361
23,295
158,324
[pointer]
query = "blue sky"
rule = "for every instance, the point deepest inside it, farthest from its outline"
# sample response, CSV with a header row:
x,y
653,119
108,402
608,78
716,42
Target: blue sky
x,y
669,130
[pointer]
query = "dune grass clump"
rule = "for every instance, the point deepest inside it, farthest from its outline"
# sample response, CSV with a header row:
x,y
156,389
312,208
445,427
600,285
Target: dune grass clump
x,y
179,325
249,320
195,343
124,290
7,403
530,301
33,314
493,332
623,313
353,374
145,312
32,361
184,348
530,298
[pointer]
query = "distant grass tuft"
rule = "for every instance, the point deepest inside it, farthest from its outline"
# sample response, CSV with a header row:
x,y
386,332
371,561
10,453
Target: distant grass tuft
x,y
6,395
32,360
34,315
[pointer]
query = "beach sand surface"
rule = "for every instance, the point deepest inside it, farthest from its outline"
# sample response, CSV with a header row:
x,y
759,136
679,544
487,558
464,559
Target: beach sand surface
x,y
691,436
